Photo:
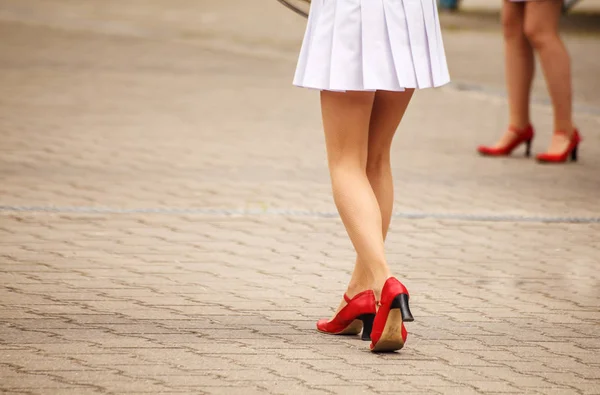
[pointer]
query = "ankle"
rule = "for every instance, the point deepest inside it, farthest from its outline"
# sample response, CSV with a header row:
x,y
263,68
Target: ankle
x,y
519,124
378,284
564,131
519,127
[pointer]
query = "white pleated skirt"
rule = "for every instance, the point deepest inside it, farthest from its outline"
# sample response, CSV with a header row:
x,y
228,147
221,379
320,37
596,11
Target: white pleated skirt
x,y
368,45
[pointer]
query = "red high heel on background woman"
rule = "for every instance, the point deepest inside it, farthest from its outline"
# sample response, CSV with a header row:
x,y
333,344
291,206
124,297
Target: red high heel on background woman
x,y
570,151
389,333
356,315
522,136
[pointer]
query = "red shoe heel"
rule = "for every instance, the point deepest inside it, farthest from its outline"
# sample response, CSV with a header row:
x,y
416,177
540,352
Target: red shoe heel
x,y
522,136
357,315
570,152
389,332
401,302
367,323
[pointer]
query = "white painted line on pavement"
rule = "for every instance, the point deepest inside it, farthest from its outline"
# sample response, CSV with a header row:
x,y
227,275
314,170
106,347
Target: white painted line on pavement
x,y
219,212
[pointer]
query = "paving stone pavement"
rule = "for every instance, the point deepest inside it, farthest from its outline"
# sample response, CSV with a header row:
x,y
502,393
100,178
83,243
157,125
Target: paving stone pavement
x,y
166,224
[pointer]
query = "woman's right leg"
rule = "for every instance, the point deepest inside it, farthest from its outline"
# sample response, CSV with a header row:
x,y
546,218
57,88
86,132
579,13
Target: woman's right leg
x,y
346,121
541,27
519,67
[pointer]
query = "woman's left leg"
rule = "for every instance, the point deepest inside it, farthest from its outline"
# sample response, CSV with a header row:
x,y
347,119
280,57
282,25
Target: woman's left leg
x,y
388,110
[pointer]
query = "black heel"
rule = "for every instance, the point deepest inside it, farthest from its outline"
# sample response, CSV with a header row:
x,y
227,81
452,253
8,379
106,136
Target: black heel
x,y
367,320
528,148
401,302
574,154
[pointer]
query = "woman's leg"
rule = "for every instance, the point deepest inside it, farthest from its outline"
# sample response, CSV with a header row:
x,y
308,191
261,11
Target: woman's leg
x,y
541,28
519,67
346,121
388,110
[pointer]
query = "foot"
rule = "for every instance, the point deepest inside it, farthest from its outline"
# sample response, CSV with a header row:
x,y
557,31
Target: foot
x,y
389,332
356,314
560,142
511,134
511,139
508,138
350,293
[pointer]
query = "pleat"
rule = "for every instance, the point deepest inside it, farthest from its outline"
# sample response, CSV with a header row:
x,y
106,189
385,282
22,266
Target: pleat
x,y
429,18
378,61
346,71
444,73
306,46
397,27
318,63
418,42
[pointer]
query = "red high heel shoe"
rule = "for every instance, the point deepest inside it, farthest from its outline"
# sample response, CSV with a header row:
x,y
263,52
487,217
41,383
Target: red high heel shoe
x,y
521,136
356,315
389,333
570,151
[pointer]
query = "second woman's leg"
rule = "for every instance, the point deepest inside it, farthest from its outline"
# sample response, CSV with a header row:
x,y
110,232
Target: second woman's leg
x,y
519,68
346,121
541,27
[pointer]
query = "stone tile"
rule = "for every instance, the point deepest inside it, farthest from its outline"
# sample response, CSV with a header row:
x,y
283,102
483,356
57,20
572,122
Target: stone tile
x,y
169,124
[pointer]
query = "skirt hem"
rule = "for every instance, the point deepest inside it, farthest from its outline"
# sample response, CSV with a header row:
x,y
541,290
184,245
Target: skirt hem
x,y
387,89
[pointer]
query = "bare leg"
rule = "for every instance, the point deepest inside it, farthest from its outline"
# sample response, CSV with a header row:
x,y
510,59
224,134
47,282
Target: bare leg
x,y
387,112
346,120
519,67
541,28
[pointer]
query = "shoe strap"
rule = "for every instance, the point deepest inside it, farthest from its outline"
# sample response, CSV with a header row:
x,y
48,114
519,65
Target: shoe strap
x,y
519,132
363,293
565,133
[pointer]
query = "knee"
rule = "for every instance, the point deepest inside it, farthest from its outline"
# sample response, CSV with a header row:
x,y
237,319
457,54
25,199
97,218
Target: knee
x,y
345,163
539,37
